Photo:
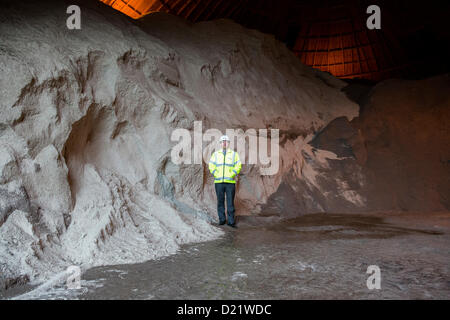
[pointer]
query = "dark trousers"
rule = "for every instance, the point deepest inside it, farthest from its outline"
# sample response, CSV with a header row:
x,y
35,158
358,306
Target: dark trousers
x,y
221,190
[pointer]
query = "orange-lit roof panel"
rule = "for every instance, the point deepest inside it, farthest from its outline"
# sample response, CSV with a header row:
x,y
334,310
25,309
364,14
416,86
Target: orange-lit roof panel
x,y
134,8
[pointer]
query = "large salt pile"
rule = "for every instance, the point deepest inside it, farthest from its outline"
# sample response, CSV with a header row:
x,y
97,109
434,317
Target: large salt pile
x,y
86,118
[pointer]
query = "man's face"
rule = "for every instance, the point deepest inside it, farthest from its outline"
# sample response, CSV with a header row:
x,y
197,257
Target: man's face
x,y
224,144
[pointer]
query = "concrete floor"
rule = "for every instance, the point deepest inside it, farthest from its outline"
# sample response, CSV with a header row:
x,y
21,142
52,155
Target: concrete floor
x,y
319,256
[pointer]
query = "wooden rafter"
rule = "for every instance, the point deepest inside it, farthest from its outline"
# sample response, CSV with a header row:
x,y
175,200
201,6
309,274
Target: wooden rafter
x,y
235,8
225,8
163,5
192,9
343,63
328,49
212,11
180,11
174,5
238,14
339,48
205,8
357,49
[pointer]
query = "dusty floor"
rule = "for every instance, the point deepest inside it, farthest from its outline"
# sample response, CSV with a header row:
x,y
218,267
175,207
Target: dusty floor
x,y
321,256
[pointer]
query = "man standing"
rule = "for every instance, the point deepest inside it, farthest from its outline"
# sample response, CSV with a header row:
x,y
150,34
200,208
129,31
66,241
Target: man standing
x,y
225,165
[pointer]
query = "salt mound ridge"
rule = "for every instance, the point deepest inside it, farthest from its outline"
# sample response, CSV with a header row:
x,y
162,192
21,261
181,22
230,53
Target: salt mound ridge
x,y
86,117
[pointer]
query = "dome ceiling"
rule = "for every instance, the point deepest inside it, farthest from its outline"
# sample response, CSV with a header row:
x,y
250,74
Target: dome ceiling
x,y
331,35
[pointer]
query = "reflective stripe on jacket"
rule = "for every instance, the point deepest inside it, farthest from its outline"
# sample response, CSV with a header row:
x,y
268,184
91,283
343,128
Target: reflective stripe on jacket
x,y
225,169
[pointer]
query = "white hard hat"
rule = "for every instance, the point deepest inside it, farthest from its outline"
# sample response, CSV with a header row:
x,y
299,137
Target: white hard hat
x,y
224,138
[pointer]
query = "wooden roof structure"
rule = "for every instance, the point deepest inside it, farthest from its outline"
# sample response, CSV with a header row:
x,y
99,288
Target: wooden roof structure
x,y
336,39
331,35
193,10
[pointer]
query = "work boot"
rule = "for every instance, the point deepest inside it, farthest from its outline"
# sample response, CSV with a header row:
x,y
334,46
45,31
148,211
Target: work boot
x,y
232,225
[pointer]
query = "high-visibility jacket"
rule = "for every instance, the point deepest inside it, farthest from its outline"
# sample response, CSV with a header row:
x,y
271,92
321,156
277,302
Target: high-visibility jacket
x,y
226,167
